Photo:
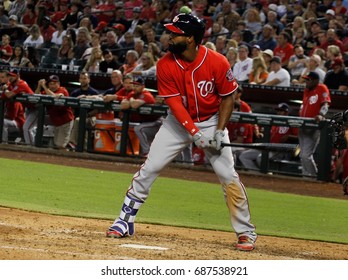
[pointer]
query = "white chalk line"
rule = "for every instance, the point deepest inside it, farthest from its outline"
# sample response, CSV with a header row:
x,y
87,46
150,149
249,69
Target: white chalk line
x,y
146,247
63,252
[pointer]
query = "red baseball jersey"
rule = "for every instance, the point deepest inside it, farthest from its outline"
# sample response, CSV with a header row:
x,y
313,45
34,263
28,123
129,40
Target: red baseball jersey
x,y
201,84
20,87
148,98
313,99
60,115
279,132
244,130
14,111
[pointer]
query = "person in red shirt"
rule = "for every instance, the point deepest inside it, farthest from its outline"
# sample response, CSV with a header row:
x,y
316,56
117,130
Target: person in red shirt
x,y
61,13
251,158
47,31
19,86
30,16
6,50
14,113
148,125
148,13
61,117
315,104
284,49
197,85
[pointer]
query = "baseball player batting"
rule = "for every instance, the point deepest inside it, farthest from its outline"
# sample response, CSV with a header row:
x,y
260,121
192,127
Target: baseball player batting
x,y
197,85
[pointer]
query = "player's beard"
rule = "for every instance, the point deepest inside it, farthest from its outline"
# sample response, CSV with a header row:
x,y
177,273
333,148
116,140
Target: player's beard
x,y
177,48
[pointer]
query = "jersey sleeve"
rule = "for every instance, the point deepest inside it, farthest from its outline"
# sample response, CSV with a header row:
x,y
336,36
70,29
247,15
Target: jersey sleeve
x,y
324,95
166,85
225,81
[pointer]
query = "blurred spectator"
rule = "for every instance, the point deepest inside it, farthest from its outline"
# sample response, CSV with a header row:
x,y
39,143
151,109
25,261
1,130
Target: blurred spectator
x,y
95,43
331,39
83,40
332,53
119,30
129,7
92,65
47,31
232,56
116,81
135,19
66,49
126,44
70,20
267,41
295,11
251,158
278,76
29,18
61,13
337,78
148,13
154,50
122,92
299,37
57,36
284,49
267,56
3,17
315,104
17,8
139,47
107,7
147,67
35,38
253,21
87,13
163,16
19,58
61,117
312,65
148,124
272,20
242,68
230,16
164,40
151,37
6,50
111,44
109,62
84,91
339,8
85,22
312,37
297,62
210,45
216,30
259,73
16,31
130,62
255,51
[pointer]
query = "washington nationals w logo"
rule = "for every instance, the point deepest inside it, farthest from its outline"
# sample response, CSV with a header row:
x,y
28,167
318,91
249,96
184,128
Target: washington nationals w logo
x,y
206,87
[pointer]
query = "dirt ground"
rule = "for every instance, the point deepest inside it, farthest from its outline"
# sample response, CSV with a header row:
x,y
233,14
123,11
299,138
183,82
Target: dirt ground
x,y
37,236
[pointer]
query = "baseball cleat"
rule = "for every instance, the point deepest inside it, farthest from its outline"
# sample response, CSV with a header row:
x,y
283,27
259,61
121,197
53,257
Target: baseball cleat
x,y
119,229
245,243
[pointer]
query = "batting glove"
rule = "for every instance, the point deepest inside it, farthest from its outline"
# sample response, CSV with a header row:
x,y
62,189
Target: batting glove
x,y
218,137
201,140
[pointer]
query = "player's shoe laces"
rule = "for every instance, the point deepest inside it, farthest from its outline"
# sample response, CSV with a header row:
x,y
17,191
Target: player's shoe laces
x,y
245,243
120,229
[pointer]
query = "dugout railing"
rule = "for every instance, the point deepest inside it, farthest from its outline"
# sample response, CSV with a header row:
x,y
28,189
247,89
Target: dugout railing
x,y
264,120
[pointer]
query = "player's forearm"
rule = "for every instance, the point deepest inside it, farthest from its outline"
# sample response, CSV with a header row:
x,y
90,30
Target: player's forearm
x,y
225,111
181,114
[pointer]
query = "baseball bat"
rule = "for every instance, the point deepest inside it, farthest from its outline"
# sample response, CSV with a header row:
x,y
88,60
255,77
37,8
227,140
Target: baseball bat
x,y
274,147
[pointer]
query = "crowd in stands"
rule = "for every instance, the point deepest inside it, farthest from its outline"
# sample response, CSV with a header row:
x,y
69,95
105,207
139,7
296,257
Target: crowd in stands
x,y
267,42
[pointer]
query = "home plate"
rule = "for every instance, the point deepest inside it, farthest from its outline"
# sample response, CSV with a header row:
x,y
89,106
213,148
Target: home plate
x,y
137,246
